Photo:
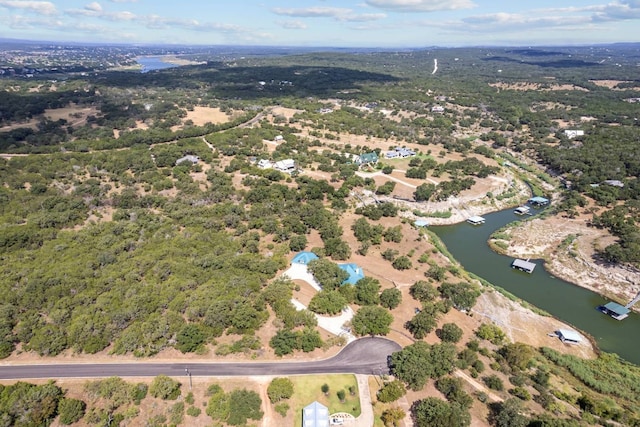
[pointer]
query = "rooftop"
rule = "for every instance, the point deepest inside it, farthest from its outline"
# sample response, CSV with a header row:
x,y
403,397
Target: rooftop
x,y
355,273
616,308
304,257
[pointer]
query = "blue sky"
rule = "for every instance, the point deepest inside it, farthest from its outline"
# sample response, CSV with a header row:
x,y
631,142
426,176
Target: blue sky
x,y
339,23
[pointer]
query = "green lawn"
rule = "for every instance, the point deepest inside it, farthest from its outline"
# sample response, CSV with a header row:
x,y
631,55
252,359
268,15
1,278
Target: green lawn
x,y
307,389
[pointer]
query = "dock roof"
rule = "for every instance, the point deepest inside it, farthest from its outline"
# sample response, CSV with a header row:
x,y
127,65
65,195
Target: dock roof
x,y
421,223
523,265
475,219
616,308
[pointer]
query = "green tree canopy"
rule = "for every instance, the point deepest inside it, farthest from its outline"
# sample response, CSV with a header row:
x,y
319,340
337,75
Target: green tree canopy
x,y
371,320
327,273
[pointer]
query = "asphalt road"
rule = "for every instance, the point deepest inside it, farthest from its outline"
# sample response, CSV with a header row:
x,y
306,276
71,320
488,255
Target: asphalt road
x,y
363,356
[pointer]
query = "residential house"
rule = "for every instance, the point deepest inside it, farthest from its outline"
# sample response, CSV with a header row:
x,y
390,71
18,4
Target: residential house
x,y
391,154
265,164
405,152
572,133
304,258
287,166
188,158
315,415
355,273
368,158
439,109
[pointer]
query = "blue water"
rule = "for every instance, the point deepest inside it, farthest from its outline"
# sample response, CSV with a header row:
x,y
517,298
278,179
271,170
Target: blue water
x,y
150,63
564,300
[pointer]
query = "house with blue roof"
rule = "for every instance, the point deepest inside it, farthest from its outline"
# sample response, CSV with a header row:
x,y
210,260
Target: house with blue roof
x,y
304,258
355,273
538,201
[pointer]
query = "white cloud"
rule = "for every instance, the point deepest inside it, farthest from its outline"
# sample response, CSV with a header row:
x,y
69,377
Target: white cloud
x,y
41,7
420,5
312,12
95,7
337,13
292,25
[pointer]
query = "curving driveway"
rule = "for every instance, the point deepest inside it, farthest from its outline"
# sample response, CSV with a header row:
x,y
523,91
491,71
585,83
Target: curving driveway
x,y
363,356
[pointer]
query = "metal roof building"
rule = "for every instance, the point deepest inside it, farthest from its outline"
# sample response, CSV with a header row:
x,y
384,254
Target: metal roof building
x,y
315,415
569,336
523,265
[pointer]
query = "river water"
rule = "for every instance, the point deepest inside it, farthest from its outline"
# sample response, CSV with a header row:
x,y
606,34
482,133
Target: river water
x,y
150,63
565,301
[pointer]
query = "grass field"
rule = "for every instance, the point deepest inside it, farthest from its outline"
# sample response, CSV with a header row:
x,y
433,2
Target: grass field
x,y
307,389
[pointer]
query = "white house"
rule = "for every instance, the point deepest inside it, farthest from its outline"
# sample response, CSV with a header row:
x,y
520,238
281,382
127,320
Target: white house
x,y
278,138
188,158
572,133
265,164
405,152
391,154
437,109
288,165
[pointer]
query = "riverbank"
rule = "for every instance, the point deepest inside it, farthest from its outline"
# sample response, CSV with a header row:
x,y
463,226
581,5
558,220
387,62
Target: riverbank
x,y
569,248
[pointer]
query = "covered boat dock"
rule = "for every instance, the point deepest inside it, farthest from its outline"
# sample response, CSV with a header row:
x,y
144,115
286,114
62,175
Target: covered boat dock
x,y
476,220
523,265
615,310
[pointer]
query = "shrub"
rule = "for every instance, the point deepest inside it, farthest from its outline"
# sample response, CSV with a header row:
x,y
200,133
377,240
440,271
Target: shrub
x,y
280,389
71,410
165,388
282,409
493,382
391,391
490,333
193,411
390,298
450,332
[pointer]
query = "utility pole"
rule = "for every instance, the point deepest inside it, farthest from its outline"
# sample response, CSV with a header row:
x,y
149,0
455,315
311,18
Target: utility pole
x,y
189,375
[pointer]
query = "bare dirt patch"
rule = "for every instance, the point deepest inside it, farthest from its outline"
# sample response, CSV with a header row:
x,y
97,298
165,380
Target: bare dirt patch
x,y
527,86
203,115
612,84
523,325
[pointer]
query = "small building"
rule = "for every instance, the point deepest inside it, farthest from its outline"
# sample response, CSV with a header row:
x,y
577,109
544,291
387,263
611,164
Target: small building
x,y
437,109
288,165
572,133
615,310
355,273
538,201
391,154
188,158
315,415
368,158
265,164
304,258
405,152
523,265
614,183
522,210
476,220
421,223
568,336
278,138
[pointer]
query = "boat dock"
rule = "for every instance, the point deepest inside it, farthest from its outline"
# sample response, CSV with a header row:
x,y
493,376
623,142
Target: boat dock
x,y
476,220
523,265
